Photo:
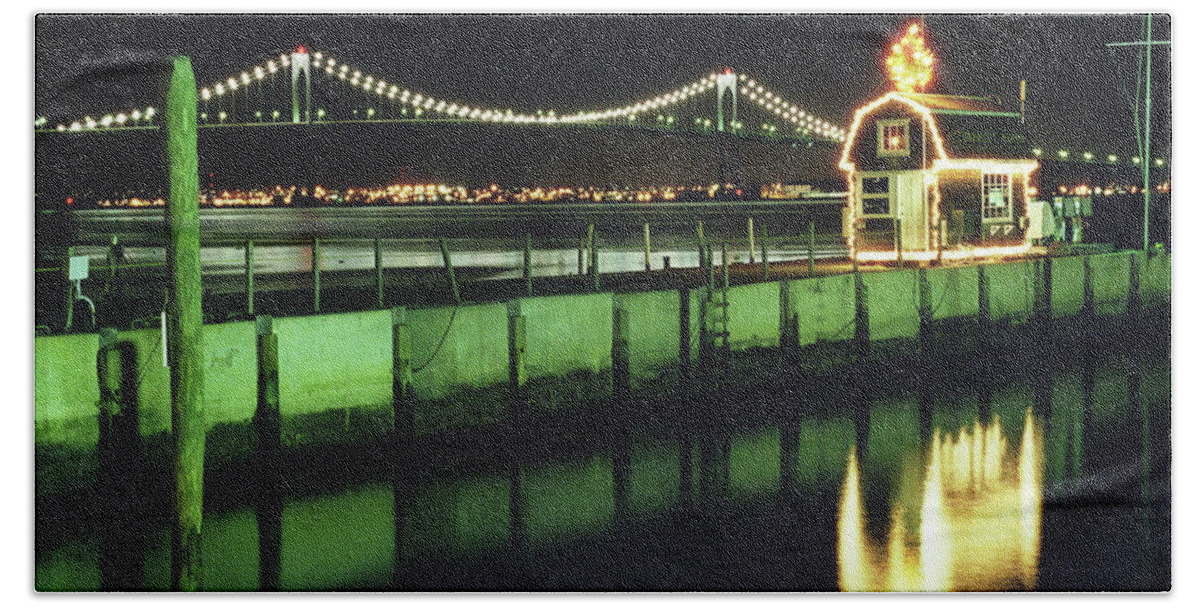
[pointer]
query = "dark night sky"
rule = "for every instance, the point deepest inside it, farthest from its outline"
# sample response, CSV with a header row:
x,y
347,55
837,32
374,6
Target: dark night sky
x,y
829,64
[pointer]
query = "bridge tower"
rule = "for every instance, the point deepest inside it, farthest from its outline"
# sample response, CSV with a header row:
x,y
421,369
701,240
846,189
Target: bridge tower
x,y
726,82
727,148
301,64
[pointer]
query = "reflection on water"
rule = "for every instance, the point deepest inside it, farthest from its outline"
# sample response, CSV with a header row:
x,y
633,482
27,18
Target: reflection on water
x,y
980,519
937,493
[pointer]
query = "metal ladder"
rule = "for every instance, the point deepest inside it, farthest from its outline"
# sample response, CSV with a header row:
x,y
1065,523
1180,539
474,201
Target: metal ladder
x,y
715,312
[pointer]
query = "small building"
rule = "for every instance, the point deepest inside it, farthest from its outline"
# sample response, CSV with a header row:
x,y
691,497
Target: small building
x,y
936,176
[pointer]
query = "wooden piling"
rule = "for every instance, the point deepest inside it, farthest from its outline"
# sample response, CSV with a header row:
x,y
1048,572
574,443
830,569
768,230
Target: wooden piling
x,y
528,264
267,426
403,432
862,321
1133,306
250,277
517,406
316,274
985,311
724,265
925,313
750,234
449,270
582,247
119,472
595,259
646,238
621,399
185,327
1089,293
700,243
766,260
812,249
685,338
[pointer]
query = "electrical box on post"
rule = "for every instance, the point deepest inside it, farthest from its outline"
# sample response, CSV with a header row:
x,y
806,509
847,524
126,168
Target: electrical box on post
x,y
77,269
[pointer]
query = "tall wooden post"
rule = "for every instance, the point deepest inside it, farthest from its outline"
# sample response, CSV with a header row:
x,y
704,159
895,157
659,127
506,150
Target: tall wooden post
x,y
700,243
269,510
185,327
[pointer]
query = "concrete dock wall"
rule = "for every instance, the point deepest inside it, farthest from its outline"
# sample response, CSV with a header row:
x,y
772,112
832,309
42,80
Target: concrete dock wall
x,y
652,331
953,292
825,307
892,301
460,355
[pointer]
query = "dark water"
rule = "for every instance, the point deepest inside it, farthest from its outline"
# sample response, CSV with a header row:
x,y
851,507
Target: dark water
x,y
737,489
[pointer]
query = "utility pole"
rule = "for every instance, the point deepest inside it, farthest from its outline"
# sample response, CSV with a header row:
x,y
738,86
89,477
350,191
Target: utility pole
x,y
1149,43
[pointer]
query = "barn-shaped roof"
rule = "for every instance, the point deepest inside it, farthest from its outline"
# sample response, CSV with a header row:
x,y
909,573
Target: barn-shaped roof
x,y
962,128
961,105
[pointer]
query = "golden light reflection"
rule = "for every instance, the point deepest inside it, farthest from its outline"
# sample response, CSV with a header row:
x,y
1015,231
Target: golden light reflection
x,y
854,573
980,519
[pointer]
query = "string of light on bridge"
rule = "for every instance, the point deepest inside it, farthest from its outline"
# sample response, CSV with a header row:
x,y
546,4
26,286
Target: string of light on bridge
x,y
420,103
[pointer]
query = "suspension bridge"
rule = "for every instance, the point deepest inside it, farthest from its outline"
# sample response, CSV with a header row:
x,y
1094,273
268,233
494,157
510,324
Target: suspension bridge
x,y
309,87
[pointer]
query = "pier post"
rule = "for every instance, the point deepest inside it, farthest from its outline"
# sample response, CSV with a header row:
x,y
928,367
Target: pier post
x,y
595,259
528,263
69,294
516,415
316,274
700,243
862,330
449,270
250,277
185,327
267,423
899,244
765,258
621,399
750,234
724,265
812,249
1089,295
1133,306
582,247
925,313
985,308
646,233
118,454
403,432
379,272
685,338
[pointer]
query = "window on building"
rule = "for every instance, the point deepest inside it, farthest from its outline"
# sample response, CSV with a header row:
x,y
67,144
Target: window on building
x,y
876,196
893,137
997,196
